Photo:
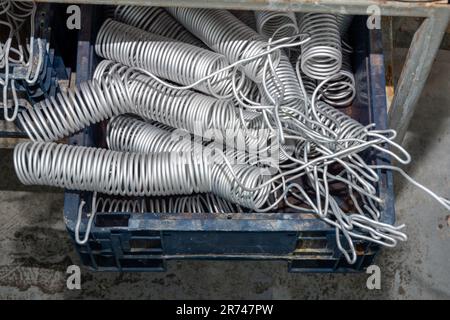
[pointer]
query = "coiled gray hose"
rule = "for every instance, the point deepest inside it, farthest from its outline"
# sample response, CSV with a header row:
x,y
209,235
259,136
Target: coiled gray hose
x,y
111,172
277,24
283,85
199,203
155,20
176,61
127,133
321,57
75,109
246,16
224,33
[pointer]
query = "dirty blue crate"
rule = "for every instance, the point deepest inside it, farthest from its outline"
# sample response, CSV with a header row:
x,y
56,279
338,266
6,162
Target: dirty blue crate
x,y
144,242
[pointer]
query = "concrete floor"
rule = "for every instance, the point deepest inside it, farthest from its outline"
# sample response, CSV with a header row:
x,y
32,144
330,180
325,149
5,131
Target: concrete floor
x,y
35,249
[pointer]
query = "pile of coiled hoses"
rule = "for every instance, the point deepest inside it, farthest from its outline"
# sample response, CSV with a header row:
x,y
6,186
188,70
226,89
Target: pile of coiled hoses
x,y
217,112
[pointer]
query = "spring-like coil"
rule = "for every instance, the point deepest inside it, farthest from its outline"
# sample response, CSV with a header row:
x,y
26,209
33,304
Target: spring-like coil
x,y
344,21
111,172
185,109
342,125
195,112
127,133
276,24
340,90
284,88
109,205
172,60
309,83
321,57
225,185
246,16
199,203
130,134
75,109
182,109
224,33
155,20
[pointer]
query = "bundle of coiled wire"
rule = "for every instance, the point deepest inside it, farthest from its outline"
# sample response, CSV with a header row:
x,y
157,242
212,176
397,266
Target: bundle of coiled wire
x,y
172,60
199,203
155,20
130,134
224,33
319,147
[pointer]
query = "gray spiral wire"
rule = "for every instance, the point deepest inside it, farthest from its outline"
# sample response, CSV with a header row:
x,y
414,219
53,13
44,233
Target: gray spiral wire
x,y
111,172
344,21
246,16
341,91
127,133
199,203
321,57
169,59
268,23
75,109
155,20
281,83
189,110
108,204
224,33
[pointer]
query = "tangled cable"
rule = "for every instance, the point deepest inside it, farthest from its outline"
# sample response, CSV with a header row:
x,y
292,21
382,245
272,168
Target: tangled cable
x,y
326,160
15,53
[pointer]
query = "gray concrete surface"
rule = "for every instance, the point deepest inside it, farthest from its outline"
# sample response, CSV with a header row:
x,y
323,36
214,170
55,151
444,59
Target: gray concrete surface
x,y
35,249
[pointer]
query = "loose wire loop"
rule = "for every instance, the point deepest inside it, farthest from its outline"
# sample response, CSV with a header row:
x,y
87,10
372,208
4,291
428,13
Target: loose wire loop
x,y
320,57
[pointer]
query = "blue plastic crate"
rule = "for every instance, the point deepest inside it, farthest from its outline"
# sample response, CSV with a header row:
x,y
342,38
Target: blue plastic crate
x,y
144,242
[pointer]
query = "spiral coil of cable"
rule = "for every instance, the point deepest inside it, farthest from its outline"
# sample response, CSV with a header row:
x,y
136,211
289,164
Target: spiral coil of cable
x,y
224,33
283,85
277,24
111,172
176,61
109,205
321,57
195,112
126,133
340,91
75,109
155,20
246,16
199,203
